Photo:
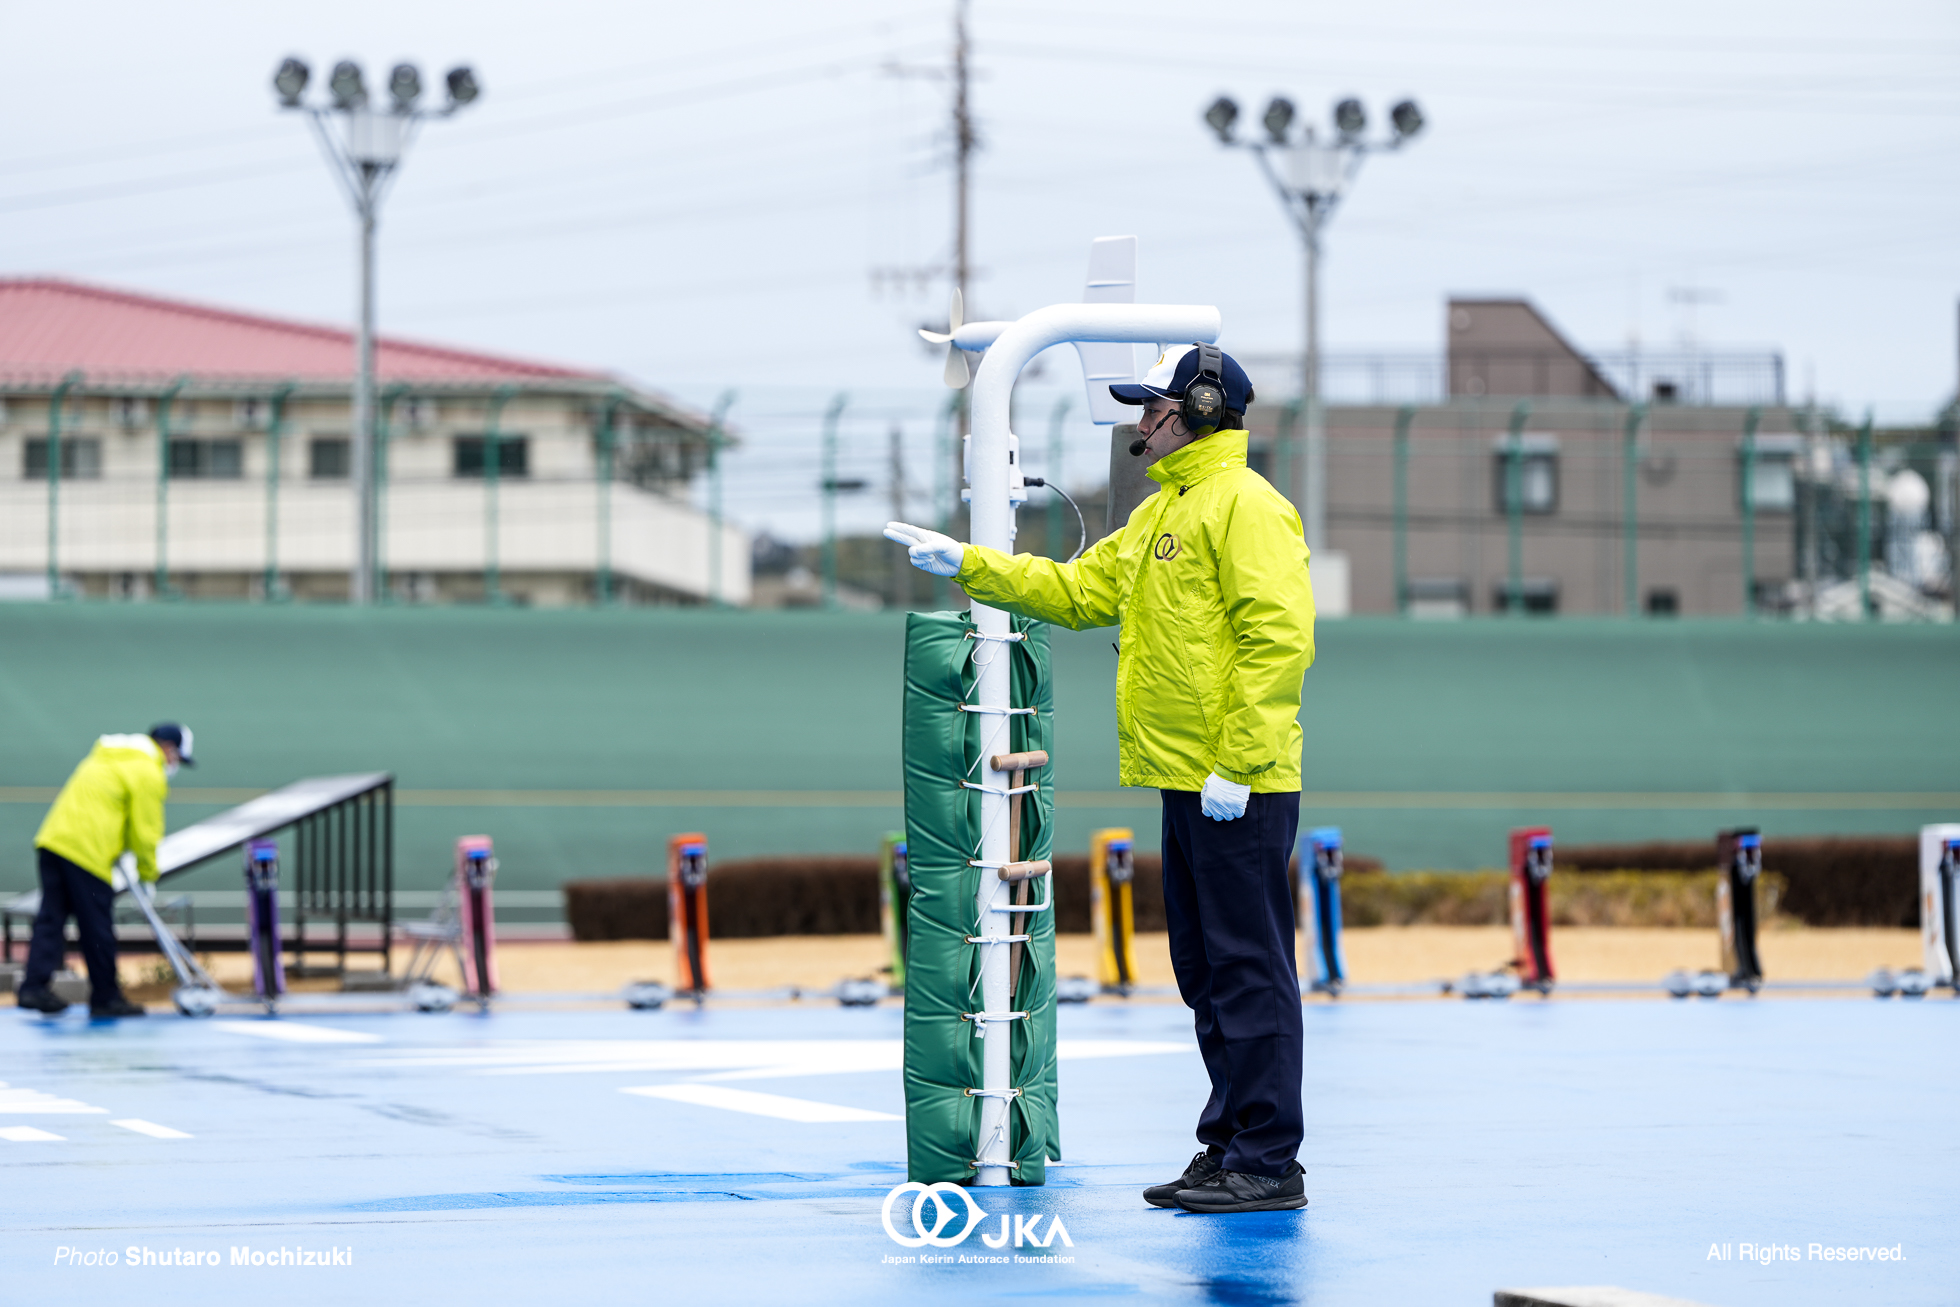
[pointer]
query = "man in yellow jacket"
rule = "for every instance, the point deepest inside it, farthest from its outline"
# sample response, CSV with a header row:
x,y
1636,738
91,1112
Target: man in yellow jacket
x,y
1209,580
111,805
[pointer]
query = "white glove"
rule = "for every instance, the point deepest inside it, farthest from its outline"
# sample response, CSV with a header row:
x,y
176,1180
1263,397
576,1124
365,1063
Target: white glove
x,y
1223,800
929,551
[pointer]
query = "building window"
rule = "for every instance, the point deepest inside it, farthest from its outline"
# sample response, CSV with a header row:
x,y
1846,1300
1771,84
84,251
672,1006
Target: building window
x,y
513,456
1539,595
207,460
1773,476
250,412
1663,602
1438,597
328,458
81,459
417,414
1537,479
132,411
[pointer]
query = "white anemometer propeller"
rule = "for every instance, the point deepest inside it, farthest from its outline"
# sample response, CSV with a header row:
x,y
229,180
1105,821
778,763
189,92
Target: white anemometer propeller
x,y
962,338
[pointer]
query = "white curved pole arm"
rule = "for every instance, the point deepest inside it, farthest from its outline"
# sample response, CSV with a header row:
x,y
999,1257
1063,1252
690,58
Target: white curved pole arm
x,y
993,525
1014,348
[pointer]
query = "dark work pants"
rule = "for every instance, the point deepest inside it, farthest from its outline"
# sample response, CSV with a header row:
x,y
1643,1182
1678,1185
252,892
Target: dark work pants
x,y
67,890
1231,926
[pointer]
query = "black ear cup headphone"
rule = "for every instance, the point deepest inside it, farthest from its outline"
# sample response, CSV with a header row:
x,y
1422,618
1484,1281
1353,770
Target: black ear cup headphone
x,y
1204,399
1203,404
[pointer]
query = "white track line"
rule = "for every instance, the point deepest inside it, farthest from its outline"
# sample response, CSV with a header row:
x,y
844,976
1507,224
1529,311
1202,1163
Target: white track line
x,y
27,1134
33,1100
755,1104
296,1032
150,1128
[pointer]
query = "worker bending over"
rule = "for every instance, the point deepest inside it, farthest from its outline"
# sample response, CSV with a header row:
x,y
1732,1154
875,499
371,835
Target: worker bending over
x,y
111,805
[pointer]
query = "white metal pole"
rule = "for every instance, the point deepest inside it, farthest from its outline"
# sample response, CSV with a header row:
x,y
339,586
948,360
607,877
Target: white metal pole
x,y
993,526
1313,504
360,588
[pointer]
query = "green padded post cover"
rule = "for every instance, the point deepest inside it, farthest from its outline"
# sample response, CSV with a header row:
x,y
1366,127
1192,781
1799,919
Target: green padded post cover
x,y
942,971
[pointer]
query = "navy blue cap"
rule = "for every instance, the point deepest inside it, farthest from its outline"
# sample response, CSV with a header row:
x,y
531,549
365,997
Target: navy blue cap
x,y
1176,368
178,734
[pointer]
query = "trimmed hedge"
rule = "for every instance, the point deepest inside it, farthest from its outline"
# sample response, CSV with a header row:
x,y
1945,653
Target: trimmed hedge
x,y
755,898
1870,880
748,898
1482,898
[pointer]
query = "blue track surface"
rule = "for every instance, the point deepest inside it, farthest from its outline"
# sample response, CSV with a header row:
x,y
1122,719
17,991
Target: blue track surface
x,y
1453,1148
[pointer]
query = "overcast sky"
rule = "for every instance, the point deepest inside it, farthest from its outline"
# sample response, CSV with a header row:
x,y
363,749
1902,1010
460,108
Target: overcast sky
x,y
697,195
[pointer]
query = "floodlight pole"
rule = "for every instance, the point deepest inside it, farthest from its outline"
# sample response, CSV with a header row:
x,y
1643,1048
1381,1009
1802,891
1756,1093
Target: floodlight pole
x,y
993,527
365,159
1319,175
1326,171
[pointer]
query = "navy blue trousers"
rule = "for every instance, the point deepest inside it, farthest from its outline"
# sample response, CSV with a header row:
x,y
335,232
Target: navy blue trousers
x,y
1231,926
68,890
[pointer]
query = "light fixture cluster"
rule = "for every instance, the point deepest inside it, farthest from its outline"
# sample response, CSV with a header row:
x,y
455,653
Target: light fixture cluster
x,y
347,87
1350,121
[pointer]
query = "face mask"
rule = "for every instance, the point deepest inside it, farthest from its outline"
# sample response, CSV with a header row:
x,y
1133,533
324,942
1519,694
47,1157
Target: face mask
x,y
169,768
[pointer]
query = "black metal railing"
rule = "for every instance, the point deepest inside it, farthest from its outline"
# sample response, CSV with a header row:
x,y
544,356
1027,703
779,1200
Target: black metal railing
x,y
344,874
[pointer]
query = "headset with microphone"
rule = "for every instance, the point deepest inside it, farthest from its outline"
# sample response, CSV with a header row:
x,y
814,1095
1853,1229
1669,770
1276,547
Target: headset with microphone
x,y
1203,405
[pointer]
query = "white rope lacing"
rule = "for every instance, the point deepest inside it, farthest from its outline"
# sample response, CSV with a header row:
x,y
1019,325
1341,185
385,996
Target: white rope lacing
x,y
998,939
1001,790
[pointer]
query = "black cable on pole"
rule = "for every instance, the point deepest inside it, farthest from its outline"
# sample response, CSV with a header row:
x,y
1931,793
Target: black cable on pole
x,y
1082,527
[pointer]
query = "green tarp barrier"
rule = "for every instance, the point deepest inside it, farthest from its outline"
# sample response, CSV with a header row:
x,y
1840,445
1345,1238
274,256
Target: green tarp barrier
x,y
942,971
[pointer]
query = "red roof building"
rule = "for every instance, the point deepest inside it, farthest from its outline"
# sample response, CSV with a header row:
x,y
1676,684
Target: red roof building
x,y
153,447
50,327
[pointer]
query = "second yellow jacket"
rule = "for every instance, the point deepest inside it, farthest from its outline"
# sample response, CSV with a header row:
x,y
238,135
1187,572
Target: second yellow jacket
x,y
113,803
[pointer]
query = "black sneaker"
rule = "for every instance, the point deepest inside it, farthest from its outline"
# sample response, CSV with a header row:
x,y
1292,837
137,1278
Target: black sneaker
x,y
1236,1191
41,999
118,1007
1204,1166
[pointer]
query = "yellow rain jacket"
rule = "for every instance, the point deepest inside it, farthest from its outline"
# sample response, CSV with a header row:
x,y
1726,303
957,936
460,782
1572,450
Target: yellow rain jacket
x,y
113,803
1209,579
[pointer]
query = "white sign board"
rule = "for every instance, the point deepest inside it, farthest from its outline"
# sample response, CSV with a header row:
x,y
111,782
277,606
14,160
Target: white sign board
x,y
1112,280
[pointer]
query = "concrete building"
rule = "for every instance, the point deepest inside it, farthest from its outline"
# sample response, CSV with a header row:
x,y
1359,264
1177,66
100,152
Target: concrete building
x,y
1421,497
205,453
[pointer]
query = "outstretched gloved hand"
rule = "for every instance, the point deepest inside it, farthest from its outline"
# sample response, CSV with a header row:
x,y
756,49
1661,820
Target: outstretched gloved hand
x,y
1223,800
929,551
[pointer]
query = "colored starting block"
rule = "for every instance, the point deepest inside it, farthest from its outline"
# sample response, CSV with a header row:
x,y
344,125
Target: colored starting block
x,y
1320,909
476,869
687,912
1739,853
1531,915
894,898
1112,906
262,918
1939,914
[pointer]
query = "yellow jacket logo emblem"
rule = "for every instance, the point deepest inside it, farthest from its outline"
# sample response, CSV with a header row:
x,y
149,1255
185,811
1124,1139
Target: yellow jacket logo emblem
x,y
1167,547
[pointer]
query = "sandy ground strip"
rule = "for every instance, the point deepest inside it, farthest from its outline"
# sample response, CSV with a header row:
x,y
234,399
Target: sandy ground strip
x,y
1375,955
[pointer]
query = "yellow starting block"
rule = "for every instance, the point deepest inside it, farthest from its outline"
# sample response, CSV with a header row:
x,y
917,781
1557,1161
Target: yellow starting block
x,y
1112,868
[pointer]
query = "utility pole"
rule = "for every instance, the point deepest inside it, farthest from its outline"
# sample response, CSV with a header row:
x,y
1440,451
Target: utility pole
x,y
365,159
966,142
